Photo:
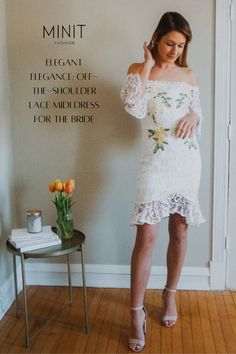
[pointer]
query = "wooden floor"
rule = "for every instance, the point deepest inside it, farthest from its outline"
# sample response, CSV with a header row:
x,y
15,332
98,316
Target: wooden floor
x,y
206,323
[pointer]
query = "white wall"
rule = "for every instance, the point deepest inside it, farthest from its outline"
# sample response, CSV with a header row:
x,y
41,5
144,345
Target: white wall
x,y
103,157
7,202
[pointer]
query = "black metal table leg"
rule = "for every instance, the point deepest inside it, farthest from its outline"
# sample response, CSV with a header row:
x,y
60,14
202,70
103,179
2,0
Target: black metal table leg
x,y
15,282
25,301
69,277
84,290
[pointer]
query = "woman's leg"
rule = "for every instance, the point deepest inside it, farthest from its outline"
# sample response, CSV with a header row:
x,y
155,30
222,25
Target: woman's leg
x,y
176,252
140,271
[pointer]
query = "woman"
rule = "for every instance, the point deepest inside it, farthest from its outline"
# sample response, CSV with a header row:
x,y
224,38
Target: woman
x,y
163,92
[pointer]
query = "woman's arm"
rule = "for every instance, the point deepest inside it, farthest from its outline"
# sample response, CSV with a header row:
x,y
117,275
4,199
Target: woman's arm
x,y
143,69
193,120
134,91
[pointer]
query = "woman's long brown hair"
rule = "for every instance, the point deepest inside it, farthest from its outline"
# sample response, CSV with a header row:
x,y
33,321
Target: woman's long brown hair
x,y
172,21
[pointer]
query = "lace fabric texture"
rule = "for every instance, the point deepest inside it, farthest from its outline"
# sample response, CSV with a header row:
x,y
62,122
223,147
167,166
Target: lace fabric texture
x,y
136,105
131,96
170,167
152,212
195,107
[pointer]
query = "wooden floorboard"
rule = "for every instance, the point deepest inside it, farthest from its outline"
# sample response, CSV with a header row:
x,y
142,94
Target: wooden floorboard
x,y
154,318
185,322
206,322
207,333
215,323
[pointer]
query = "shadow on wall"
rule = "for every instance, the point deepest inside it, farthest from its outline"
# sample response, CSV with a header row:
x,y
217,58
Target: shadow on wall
x,y
6,268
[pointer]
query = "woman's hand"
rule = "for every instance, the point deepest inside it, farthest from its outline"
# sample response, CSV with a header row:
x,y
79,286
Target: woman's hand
x,y
148,59
185,127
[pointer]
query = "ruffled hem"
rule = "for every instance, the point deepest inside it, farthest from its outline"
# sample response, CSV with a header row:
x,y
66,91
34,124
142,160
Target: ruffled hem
x,y
152,212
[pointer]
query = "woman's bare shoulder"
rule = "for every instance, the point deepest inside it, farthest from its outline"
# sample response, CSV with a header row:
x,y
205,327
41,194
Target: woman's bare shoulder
x,y
190,76
135,68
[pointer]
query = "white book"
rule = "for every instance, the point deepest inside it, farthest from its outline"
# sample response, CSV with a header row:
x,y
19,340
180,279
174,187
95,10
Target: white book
x,y
21,234
29,238
23,243
35,246
35,237
23,230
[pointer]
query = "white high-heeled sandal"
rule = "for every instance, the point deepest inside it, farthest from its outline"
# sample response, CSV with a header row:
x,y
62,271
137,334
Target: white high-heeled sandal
x,y
140,343
168,317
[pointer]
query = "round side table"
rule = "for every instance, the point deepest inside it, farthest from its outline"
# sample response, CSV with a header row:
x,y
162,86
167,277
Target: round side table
x,y
63,249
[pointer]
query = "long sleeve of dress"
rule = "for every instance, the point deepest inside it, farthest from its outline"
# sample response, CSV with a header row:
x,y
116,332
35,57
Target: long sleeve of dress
x,y
195,107
131,96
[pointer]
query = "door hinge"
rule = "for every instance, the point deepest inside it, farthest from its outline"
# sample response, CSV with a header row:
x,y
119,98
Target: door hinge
x,y
229,131
231,11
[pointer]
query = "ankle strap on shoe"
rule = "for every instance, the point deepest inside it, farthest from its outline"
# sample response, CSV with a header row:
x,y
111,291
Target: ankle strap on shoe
x,y
136,308
171,290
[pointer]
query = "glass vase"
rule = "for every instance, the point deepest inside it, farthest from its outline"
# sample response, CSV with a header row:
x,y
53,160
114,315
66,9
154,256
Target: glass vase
x,y
64,224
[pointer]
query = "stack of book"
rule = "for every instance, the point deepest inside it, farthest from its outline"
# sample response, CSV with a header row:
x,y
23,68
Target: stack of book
x,y
25,241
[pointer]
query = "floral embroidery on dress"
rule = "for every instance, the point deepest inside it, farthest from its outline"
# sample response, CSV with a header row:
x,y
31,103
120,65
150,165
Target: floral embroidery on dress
x,y
154,118
190,143
180,101
170,168
164,98
158,136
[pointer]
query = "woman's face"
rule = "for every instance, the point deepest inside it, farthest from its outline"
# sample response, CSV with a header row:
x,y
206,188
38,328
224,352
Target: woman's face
x,y
171,46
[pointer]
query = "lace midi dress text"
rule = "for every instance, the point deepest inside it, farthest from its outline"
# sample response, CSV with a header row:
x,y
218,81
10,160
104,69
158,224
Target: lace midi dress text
x,y
170,167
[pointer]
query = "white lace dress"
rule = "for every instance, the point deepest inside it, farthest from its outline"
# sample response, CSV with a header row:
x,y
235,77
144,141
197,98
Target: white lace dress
x,y
170,167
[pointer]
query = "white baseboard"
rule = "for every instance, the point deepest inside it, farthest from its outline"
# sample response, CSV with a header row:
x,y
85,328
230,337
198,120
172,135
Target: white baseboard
x,y
101,275
111,276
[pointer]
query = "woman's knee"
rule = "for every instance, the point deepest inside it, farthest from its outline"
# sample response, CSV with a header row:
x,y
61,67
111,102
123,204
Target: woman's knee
x,y
146,237
178,227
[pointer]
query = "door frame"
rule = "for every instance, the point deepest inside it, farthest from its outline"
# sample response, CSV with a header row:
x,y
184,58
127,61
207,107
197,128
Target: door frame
x,y
223,16
231,241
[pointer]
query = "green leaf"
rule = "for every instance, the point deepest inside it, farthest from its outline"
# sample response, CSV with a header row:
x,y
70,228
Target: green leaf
x,y
155,149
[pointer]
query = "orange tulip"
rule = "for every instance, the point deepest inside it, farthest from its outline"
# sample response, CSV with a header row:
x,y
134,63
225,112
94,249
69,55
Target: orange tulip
x,y
71,182
58,186
70,185
69,189
63,186
51,187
